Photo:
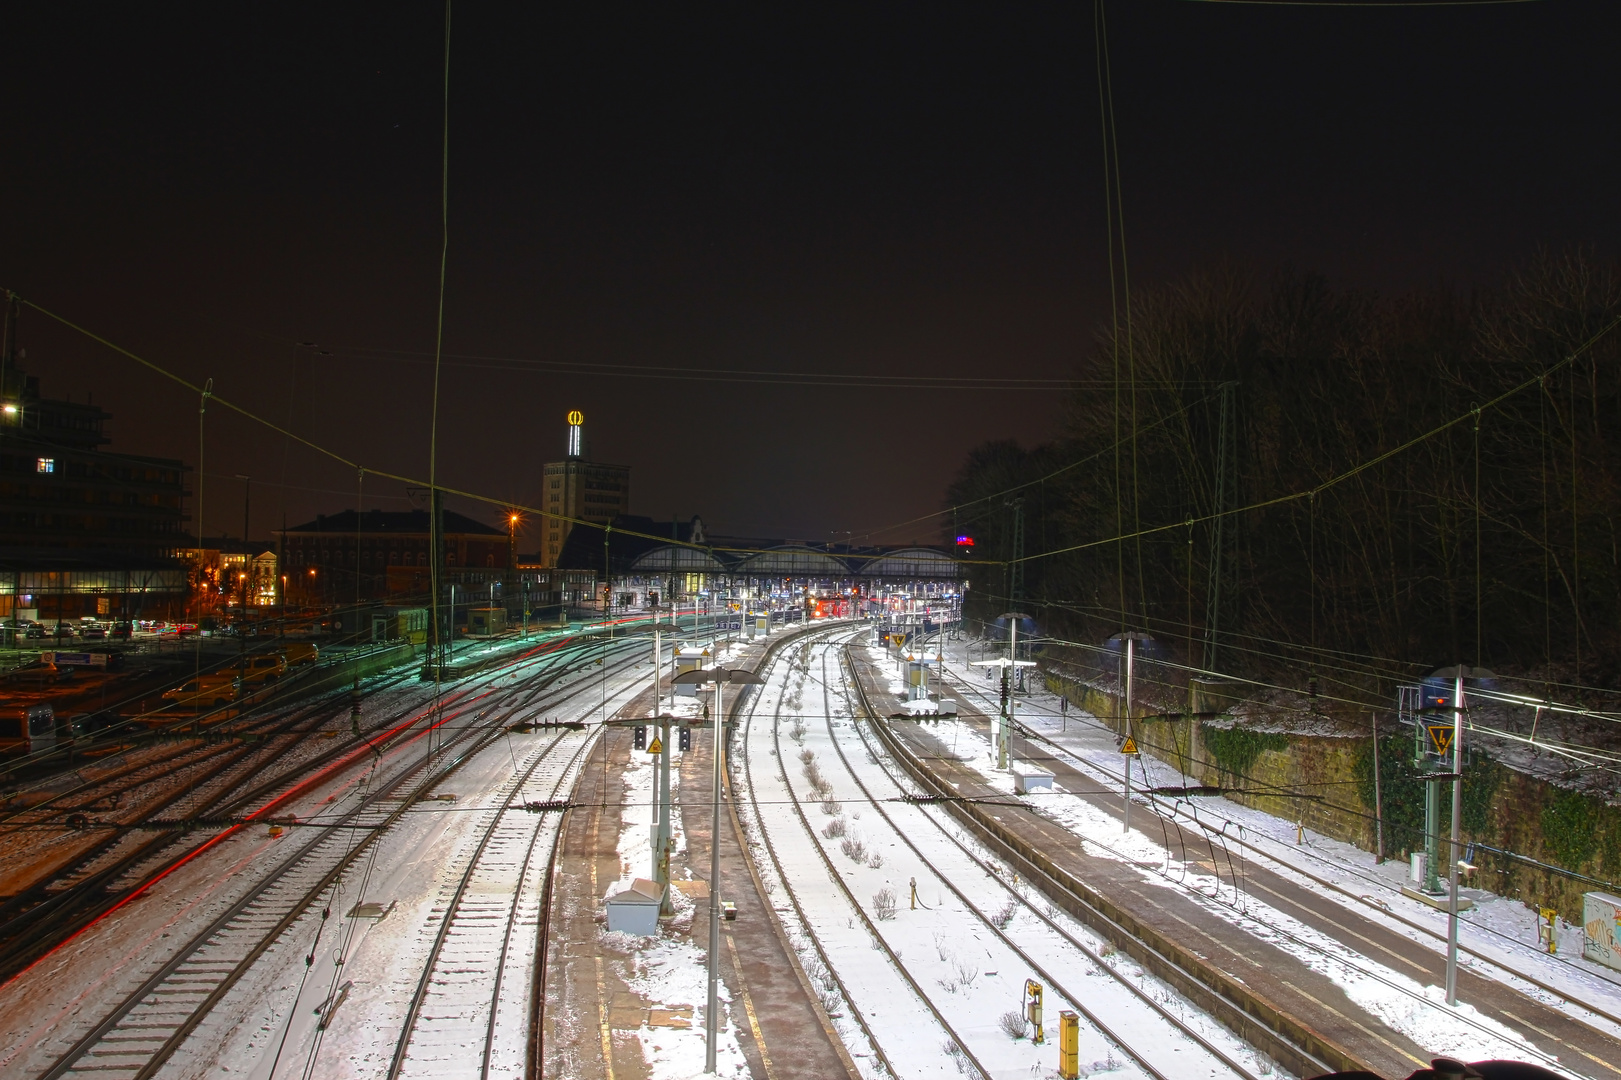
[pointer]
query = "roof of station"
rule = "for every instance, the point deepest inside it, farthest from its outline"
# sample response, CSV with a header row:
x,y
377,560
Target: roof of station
x,y
696,552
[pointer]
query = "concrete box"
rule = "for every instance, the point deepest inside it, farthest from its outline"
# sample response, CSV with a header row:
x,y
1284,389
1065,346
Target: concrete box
x,y
636,910
1601,927
1028,778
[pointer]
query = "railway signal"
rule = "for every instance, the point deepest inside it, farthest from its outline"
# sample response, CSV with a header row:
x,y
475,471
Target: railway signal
x,y
1032,1009
685,738
638,736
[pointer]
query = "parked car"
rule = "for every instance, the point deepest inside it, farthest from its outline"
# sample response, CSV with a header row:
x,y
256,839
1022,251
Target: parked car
x,y
214,689
121,631
93,633
263,669
35,630
300,652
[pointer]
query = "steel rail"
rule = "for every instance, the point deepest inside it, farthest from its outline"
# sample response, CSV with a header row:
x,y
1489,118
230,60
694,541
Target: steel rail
x,y
776,862
1179,818
217,805
413,1012
1120,977
861,913
482,737
1304,943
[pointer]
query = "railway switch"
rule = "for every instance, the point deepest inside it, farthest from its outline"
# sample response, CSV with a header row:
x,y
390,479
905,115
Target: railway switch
x,y
1069,1045
1032,1009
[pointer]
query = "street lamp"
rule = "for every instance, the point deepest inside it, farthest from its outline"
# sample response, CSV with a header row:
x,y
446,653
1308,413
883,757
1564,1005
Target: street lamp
x,y
719,677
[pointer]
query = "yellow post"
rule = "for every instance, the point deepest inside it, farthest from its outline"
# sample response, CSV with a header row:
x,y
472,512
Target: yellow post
x,y
1546,929
1069,1045
1032,1009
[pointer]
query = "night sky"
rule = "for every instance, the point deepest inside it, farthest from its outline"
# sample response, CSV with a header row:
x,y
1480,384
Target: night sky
x,y
908,191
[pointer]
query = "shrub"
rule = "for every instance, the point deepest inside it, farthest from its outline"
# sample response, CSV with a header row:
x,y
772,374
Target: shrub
x,y
883,904
834,829
1005,916
875,860
1014,1023
853,847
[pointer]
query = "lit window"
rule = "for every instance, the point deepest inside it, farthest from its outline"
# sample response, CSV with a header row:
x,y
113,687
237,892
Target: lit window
x,y
45,465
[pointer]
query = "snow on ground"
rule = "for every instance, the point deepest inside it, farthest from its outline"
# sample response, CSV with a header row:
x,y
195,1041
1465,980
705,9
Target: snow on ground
x,y
1071,957
51,1004
670,972
967,942
829,926
1417,1010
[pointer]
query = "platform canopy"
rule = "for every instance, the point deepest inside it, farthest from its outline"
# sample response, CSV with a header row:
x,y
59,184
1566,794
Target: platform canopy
x,y
913,562
792,560
667,558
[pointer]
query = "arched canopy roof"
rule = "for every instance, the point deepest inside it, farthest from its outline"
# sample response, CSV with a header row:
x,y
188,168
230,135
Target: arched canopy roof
x,y
675,558
916,562
792,560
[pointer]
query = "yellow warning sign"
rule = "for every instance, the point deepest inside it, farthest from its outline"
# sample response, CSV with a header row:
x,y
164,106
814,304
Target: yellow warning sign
x,y
1129,746
1440,737
655,747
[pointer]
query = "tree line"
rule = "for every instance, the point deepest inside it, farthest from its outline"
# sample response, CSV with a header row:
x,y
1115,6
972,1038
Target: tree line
x,y
1494,541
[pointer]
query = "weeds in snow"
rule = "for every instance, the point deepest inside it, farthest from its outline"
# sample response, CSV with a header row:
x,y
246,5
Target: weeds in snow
x,y
883,904
940,949
1014,1024
807,758
831,1001
834,829
875,860
854,847
830,807
1005,916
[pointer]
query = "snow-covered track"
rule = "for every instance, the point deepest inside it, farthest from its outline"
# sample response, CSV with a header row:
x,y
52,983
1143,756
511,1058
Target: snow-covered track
x,y
1143,1052
136,1037
464,981
1176,818
780,872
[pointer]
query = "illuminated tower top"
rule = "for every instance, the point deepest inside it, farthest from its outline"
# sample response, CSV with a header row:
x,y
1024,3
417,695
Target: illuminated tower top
x,y
575,419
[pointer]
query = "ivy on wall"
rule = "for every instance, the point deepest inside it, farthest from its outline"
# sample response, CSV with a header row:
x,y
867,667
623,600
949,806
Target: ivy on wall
x,y
1571,823
1235,749
1402,790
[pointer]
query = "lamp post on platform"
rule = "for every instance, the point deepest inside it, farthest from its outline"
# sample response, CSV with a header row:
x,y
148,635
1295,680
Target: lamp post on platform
x,y
719,677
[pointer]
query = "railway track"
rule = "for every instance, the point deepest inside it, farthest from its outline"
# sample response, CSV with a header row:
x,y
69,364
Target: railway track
x,y
104,874
144,1030
909,989
1172,821
1138,1021
465,979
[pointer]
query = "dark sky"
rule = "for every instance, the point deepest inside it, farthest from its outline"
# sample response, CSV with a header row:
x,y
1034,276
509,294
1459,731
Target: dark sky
x,y
870,190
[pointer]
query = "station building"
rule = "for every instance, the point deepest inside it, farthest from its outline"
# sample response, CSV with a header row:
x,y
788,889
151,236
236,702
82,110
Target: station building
x,y
639,561
83,531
